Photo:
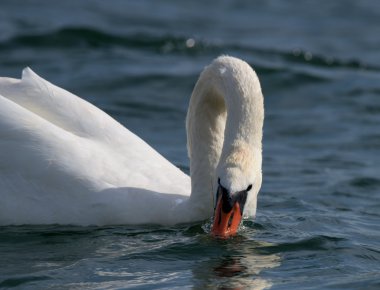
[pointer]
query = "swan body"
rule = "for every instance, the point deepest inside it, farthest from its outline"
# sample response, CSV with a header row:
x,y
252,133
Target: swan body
x,y
64,161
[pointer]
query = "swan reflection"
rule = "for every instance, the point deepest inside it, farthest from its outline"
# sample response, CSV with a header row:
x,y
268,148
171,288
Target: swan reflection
x,y
240,268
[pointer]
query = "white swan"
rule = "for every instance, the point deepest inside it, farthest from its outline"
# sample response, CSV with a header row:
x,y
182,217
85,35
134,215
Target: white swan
x,y
64,161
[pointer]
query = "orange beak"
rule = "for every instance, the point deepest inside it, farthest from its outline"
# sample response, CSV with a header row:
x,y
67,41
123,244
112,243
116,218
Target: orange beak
x,y
226,224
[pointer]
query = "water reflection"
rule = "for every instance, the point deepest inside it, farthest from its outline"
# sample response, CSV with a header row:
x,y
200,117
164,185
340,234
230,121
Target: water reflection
x,y
229,267
236,265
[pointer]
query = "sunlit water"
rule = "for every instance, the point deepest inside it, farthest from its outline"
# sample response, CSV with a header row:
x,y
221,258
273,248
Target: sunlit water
x,y
318,213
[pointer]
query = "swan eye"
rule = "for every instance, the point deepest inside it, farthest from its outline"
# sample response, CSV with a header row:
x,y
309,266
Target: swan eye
x,y
249,187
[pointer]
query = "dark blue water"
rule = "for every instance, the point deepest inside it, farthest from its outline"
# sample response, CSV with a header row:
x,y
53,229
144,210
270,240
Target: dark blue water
x,y
318,221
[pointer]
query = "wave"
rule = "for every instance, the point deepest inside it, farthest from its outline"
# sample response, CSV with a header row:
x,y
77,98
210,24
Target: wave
x,y
15,282
87,37
71,37
365,182
315,243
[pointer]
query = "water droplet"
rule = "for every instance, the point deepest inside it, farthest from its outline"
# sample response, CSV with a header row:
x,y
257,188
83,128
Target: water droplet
x,y
308,56
190,43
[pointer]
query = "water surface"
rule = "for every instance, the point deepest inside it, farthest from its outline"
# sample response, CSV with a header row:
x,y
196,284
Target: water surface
x,y
317,225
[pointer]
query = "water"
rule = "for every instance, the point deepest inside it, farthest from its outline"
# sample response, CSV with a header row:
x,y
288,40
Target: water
x,y
318,213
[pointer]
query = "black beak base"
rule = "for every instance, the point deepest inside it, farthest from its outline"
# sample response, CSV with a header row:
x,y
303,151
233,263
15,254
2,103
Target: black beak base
x,y
229,200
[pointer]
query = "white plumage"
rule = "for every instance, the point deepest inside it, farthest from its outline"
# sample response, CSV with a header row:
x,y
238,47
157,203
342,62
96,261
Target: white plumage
x,y
62,160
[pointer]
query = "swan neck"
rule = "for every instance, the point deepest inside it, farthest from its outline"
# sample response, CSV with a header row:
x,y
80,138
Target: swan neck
x,y
224,119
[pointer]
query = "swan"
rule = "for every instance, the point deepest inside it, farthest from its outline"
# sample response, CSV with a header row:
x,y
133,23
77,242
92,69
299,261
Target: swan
x,y
64,161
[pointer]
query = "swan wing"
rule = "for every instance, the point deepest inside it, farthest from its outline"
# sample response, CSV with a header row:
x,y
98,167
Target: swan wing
x,y
58,151
60,107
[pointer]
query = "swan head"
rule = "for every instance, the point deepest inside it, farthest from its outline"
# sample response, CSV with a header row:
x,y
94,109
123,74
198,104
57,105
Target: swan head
x,y
229,210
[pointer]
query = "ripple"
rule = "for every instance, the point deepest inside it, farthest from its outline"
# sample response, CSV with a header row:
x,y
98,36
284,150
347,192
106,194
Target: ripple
x,y
81,37
15,282
316,243
89,37
365,182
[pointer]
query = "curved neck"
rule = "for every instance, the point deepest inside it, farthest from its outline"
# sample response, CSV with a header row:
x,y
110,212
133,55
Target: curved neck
x,y
224,126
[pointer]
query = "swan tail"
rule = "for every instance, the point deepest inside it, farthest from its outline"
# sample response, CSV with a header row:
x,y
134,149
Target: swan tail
x,y
58,106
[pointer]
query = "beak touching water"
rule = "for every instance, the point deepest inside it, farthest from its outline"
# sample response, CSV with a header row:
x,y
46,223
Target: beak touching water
x,y
228,212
